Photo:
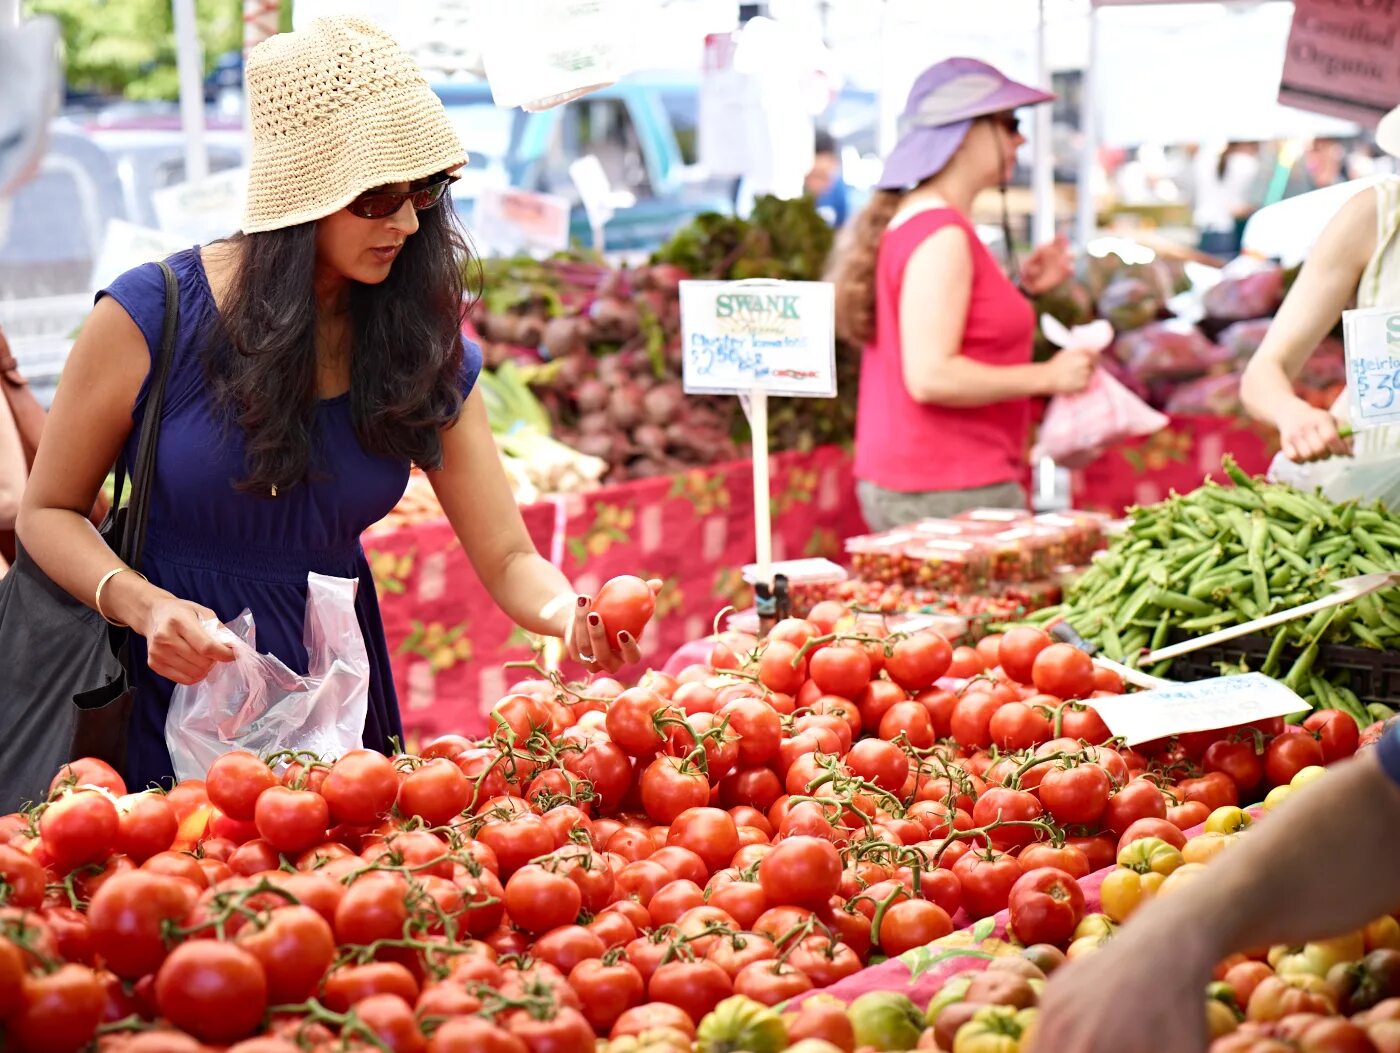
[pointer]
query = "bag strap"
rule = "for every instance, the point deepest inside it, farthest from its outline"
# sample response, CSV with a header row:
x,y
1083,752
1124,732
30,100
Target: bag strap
x,y
133,540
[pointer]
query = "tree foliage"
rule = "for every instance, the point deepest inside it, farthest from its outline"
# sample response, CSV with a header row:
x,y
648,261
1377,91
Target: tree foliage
x,y
127,47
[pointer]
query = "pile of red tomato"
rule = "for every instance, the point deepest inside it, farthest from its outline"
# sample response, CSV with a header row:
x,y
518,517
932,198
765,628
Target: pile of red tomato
x,y
610,861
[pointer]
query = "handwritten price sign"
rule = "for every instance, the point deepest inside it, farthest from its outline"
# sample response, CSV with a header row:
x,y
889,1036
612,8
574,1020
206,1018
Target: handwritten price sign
x,y
775,336
1373,366
1206,705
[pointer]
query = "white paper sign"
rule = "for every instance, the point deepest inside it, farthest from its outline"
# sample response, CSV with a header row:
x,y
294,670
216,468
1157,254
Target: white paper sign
x,y
126,246
778,336
1373,366
509,221
203,210
594,190
1206,705
546,52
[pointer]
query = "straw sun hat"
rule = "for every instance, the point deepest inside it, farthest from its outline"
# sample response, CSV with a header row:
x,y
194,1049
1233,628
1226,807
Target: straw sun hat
x,y
337,108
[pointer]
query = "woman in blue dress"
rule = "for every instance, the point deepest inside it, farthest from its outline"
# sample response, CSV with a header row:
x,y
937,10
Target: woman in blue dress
x,y
318,356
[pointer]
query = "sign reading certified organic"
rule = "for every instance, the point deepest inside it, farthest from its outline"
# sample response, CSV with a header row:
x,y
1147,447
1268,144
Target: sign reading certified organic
x,y
777,337
1342,60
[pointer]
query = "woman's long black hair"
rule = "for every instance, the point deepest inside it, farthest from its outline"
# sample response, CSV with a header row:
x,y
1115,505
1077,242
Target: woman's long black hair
x,y
405,350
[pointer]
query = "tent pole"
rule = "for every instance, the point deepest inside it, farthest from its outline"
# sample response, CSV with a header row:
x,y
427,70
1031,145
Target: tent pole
x,y
190,59
1086,219
1042,145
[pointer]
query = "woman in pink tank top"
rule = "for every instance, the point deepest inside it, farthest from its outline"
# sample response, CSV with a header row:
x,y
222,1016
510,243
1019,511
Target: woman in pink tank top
x,y
946,378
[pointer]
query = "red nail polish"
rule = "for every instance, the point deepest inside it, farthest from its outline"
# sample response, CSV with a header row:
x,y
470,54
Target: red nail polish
x,y
583,601
594,620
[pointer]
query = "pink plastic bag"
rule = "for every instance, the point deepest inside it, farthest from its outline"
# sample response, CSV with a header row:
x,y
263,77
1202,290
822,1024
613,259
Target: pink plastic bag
x,y
1078,428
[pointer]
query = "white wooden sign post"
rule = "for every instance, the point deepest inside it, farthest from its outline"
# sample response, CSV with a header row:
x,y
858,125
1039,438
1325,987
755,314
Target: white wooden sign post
x,y
754,339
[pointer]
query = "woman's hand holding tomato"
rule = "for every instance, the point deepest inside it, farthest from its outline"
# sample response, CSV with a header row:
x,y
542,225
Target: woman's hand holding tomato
x,y
602,632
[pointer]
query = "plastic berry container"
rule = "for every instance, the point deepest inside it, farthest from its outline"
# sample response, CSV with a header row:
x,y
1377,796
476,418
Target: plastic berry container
x,y
880,557
948,565
1084,533
997,518
1060,541
1031,596
1019,555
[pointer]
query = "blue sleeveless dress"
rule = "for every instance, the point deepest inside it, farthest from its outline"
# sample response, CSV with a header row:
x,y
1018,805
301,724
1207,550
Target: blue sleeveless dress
x,y
230,550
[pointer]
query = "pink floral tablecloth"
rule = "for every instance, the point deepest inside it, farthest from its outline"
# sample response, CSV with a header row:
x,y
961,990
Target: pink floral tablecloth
x,y
450,643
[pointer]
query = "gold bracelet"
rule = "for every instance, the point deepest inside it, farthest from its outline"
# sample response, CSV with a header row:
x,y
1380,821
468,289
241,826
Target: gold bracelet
x,y
103,584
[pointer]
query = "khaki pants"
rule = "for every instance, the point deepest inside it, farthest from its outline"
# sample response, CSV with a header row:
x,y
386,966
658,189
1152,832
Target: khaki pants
x,y
887,509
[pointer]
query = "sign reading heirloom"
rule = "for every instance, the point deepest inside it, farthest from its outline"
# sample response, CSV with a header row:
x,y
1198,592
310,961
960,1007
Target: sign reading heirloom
x,y
1373,366
774,336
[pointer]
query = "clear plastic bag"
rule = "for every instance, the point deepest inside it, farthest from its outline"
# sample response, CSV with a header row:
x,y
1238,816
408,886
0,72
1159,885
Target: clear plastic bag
x,y
1370,475
256,703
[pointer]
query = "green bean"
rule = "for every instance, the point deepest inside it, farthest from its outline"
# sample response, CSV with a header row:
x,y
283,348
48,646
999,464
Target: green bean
x,y
1209,621
1289,504
1317,622
1348,517
1136,601
1180,602
1246,499
1259,534
1236,473
1302,667
1369,546
1244,605
1159,634
1296,561
1275,655
1366,566
1367,637
1112,645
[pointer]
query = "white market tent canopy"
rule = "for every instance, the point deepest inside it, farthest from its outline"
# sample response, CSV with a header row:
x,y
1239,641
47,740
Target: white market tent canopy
x,y
1156,72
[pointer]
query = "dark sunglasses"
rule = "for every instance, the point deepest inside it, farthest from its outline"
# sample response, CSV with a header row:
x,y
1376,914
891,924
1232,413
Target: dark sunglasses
x,y
1010,122
380,204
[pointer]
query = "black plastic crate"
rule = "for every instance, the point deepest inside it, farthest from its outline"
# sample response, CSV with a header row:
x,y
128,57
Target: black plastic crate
x,y
1373,675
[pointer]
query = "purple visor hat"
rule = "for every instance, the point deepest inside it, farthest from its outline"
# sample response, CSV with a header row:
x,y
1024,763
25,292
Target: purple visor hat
x,y
942,105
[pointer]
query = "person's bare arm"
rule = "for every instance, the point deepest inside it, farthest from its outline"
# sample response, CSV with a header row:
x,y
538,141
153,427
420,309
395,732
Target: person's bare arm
x,y
88,423
1323,864
476,496
933,305
1324,287
14,470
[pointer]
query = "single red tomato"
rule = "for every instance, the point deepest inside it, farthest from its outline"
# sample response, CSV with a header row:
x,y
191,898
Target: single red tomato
x,y
1046,905
917,662
1019,649
1289,754
966,664
625,604
1139,799
1064,671
1338,733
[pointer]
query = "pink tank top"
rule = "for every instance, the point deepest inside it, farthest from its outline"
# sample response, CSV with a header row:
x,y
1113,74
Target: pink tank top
x,y
906,446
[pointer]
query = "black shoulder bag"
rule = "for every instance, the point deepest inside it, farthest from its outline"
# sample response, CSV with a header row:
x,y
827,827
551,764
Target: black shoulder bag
x,y
65,674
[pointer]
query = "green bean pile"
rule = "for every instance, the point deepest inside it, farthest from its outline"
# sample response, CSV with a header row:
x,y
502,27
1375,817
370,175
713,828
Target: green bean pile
x,y
1223,555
